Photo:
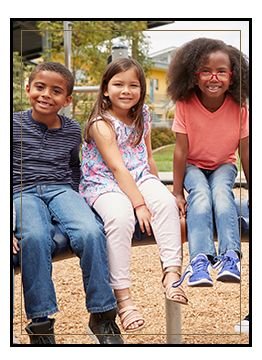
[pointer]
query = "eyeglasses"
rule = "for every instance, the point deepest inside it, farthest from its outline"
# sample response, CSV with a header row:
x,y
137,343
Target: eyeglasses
x,y
221,76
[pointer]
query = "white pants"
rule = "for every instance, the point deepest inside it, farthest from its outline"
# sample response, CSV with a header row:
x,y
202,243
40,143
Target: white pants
x,y
119,222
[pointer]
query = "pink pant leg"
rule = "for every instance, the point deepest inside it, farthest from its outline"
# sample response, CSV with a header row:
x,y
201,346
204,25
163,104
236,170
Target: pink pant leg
x,y
119,223
165,221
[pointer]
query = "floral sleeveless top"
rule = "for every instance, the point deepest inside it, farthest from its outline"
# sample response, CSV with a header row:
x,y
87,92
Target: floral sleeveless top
x,y
96,177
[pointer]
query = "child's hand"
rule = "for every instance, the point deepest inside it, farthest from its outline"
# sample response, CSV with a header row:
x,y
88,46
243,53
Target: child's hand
x,y
15,246
182,205
144,218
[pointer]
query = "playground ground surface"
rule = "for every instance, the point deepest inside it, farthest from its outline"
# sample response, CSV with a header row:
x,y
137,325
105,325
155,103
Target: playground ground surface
x,y
209,319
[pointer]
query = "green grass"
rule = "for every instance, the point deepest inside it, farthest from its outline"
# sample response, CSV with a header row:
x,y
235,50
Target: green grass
x,y
164,159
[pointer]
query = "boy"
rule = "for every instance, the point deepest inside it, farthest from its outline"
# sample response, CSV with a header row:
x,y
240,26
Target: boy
x,y
49,177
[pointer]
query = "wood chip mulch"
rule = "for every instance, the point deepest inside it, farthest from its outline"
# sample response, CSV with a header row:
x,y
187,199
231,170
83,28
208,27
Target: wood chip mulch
x,y
209,319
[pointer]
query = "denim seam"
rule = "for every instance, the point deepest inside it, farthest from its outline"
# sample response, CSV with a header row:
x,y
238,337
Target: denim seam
x,y
72,244
205,253
42,313
103,309
49,235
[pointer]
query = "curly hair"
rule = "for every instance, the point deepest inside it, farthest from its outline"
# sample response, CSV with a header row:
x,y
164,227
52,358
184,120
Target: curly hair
x,y
56,67
182,72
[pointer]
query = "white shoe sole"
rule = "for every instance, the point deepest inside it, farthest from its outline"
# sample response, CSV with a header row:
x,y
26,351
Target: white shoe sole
x,y
200,283
92,335
244,327
227,276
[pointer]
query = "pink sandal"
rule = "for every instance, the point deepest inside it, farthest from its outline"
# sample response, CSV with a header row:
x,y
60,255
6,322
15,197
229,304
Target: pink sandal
x,y
125,312
171,291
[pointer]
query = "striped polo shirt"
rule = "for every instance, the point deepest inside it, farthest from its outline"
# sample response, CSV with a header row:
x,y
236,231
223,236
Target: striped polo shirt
x,y
49,156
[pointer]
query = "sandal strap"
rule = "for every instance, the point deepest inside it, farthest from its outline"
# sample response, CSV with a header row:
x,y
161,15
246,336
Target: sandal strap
x,y
126,312
123,298
131,320
178,291
166,271
171,270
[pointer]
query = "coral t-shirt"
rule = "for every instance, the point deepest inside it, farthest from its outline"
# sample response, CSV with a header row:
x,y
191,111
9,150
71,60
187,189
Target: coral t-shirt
x,y
213,138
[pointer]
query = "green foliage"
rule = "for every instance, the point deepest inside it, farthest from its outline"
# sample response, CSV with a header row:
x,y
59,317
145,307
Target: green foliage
x,y
20,73
161,136
91,44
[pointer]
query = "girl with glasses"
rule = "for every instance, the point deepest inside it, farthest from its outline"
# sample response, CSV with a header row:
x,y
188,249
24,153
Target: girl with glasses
x,y
205,78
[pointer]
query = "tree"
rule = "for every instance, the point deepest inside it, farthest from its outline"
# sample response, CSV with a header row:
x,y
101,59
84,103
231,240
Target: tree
x,y
20,73
90,47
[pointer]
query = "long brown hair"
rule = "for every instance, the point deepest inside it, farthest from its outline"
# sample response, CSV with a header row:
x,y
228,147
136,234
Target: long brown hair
x,y
103,103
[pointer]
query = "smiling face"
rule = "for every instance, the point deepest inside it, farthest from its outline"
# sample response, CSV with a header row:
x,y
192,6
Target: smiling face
x,y
124,92
213,91
47,94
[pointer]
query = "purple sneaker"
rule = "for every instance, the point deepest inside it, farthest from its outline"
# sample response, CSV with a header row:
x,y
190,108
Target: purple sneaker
x,y
198,271
229,265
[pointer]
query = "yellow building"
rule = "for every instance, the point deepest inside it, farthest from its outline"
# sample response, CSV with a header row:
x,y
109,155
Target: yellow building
x,y
156,85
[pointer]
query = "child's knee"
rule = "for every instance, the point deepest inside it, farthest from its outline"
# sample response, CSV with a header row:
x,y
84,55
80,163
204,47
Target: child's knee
x,y
125,219
36,245
161,200
121,222
222,197
168,203
200,198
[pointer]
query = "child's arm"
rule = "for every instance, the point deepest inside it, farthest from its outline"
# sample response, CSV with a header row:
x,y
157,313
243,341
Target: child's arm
x,y
244,143
151,161
179,168
104,137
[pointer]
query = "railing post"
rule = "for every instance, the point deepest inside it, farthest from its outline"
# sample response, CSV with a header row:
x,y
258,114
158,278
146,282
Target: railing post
x,y
67,50
173,316
173,322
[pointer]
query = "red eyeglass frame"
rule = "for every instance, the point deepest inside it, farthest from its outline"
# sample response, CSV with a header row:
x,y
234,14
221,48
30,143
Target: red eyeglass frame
x,y
214,75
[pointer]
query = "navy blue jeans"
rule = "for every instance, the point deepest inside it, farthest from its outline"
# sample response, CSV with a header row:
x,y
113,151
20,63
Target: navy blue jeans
x,y
210,191
42,206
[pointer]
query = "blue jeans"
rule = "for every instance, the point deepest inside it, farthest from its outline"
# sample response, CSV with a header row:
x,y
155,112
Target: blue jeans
x,y
211,190
42,206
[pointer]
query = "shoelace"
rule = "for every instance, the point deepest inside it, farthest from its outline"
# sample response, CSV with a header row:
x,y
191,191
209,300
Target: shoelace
x,y
223,260
43,339
109,327
198,266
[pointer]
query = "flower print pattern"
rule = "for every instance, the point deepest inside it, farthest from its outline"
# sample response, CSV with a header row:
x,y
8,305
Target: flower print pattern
x,y
96,177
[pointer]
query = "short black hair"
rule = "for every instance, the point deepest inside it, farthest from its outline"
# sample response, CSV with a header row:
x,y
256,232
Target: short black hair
x,y
182,72
57,67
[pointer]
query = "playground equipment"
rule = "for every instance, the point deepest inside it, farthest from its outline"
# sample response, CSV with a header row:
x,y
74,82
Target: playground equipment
x,y
173,312
63,251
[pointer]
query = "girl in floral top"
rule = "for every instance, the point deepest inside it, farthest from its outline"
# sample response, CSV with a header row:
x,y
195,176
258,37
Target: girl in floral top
x,y
119,180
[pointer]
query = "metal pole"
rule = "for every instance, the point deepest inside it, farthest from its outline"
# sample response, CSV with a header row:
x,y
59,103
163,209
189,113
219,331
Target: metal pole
x,y
173,318
67,50
173,322
86,89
